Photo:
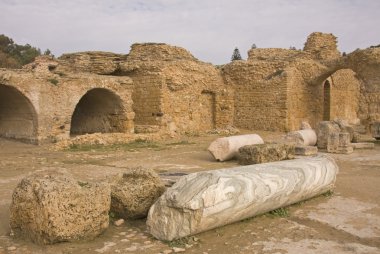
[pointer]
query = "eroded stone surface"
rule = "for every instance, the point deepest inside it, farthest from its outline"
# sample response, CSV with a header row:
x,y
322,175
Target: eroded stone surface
x,y
50,206
256,154
206,200
134,192
305,150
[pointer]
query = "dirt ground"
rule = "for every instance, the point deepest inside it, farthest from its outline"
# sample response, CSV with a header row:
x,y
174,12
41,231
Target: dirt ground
x,y
348,221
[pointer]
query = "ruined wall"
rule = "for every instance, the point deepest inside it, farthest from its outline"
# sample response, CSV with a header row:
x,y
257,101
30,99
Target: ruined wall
x,y
260,94
54,98
175,90
345,93
322,46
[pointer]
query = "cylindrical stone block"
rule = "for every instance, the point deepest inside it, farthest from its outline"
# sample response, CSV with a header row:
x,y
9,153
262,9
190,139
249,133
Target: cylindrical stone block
x,y
206,200
228,147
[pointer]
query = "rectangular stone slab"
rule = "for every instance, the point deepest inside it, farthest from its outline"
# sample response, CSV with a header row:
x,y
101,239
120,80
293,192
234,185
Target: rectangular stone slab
x,y
206,200
256,154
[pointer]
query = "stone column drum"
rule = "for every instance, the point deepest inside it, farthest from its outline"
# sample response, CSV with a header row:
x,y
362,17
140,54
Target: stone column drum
x,y
228,147
206,200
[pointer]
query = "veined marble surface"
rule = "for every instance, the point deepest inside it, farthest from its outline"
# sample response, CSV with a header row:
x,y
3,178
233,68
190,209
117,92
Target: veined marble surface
x,y
206,200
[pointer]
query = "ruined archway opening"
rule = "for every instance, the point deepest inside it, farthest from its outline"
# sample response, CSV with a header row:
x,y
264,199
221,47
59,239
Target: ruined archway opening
x,y
207,111
18,118
99,110
326,100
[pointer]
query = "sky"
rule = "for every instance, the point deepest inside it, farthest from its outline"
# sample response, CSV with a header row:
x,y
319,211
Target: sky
x,y
209,29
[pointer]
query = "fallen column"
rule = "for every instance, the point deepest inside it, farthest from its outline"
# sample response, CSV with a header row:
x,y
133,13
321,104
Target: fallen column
x,y
228,147
206,200
306,137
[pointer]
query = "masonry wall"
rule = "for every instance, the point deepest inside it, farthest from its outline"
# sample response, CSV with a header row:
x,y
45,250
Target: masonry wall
x,y
345,93
54,99
260,94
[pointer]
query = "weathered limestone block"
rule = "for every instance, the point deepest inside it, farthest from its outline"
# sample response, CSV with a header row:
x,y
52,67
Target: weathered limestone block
x,y
306,150
306,137
256,154
305,126
206,200
363,145
51,206
134,192
324,129
339,143
228,147
376,130
345,127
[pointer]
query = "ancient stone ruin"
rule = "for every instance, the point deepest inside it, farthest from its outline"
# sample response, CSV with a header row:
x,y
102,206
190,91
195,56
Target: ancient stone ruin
x,y
162,88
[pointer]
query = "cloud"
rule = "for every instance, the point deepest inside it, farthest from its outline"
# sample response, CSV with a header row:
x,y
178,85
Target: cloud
x,y
209,29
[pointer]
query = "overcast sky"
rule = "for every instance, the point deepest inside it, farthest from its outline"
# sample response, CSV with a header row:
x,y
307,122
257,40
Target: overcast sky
x,y
210,29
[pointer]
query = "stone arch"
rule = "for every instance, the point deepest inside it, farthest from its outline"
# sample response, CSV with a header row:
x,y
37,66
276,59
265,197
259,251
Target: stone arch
x,y
99,110
340,93
326,100
18,117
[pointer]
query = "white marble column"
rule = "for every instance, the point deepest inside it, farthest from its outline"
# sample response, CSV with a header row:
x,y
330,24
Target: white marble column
x,y
206,200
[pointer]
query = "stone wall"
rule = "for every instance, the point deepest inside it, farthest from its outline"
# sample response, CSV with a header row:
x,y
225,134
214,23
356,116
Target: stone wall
x,y
260,94
345,93
54,98
322,46
175,90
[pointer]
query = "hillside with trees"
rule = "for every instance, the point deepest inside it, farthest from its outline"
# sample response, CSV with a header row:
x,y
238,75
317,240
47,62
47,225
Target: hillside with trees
x,y
14,56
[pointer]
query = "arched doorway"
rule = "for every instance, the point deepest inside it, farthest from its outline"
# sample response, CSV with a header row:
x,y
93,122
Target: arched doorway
x,y
99,110
326,100
18,118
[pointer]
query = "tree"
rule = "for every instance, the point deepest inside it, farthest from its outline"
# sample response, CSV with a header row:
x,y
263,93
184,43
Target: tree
x,y
253,46
14,55
236,55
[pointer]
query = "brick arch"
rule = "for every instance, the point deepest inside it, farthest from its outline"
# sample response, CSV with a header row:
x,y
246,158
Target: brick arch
x,y
98,110
18,117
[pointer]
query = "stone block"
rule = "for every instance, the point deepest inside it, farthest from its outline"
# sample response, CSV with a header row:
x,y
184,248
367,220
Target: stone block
x,y
256,154
363,145
306,137
305,150
339,143
324,131
50,206
205,200
133,192
228,147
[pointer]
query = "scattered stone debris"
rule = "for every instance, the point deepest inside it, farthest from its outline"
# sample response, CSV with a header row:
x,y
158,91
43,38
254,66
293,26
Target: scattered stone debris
x,y
50,206
118,222
134,192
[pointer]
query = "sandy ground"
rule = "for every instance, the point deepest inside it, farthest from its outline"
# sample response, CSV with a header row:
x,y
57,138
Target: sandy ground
x,y
346,222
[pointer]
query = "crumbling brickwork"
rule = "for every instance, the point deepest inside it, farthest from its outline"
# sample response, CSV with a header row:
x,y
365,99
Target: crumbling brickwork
x,y
158,87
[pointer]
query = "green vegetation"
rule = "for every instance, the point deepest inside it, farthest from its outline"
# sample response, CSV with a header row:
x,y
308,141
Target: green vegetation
x,y
131,146
53,81
280,212
14,56
236,55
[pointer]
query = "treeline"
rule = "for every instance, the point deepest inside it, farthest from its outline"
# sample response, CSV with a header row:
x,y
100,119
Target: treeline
x,y
15,56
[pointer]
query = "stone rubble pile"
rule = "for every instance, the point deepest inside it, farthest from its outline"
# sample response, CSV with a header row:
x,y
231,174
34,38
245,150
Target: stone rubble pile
x,y
51,206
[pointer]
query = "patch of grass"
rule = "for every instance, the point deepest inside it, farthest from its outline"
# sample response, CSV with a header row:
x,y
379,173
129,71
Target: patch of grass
x,y
53,81
179,243
132,146
83,184
280,212
182,142
328,194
